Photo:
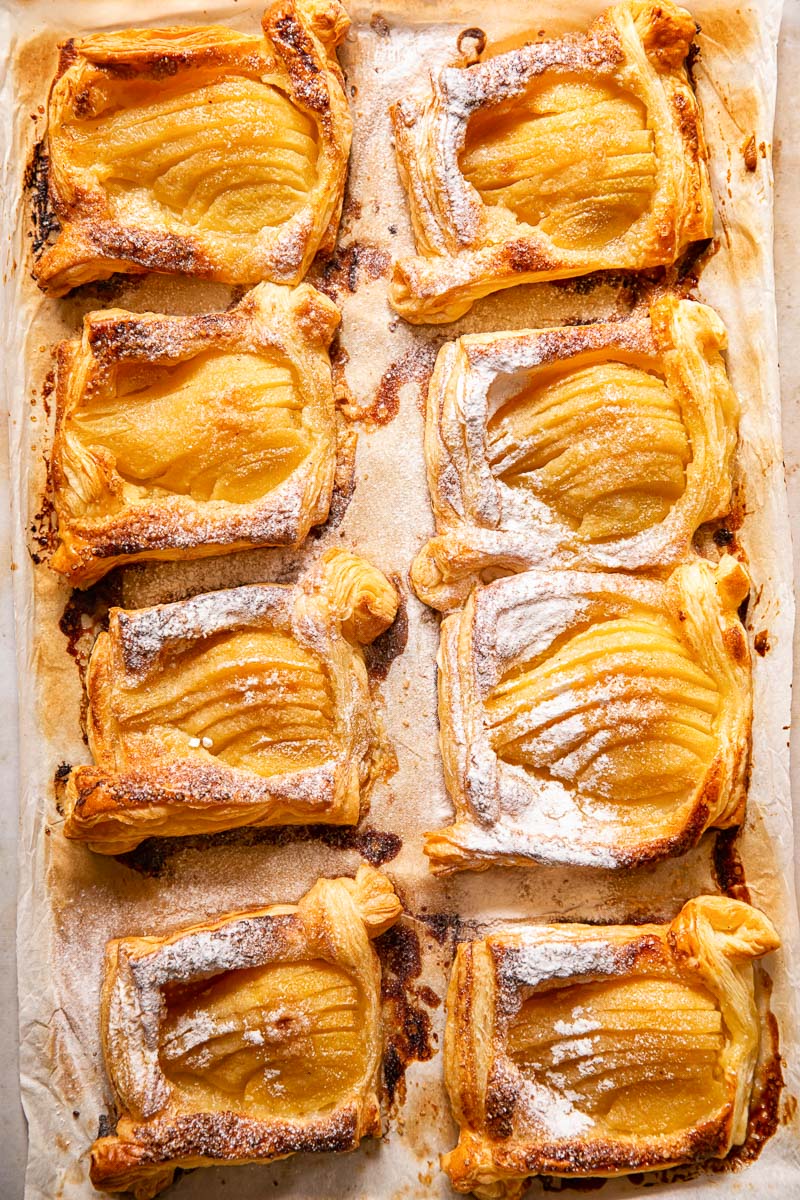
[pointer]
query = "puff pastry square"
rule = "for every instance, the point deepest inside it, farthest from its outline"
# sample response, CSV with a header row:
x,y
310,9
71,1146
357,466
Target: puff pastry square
x,y
199,150
553,160
593,719
249,706
577,1050
245,1039
180,437
595,446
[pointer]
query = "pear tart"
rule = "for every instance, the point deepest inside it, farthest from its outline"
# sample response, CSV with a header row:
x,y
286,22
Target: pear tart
x,y
592,719
577,1050
595,446
249,706
245,1039
180,437
199,150
553,160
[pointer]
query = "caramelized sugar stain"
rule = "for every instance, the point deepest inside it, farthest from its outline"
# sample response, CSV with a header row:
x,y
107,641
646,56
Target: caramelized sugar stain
x,y
376,846
341,388
409,1034
415,366
378,24
48,387
723,537
348,268
44,526
750,154
344,486
727,866
471,44
761,643
381,653
684,275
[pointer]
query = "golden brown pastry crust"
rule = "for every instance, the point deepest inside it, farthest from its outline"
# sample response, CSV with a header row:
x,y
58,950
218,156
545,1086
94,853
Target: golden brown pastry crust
x,y
485,525
157,1130
105,518
673,659
152,777
467,248
101,233
509,1129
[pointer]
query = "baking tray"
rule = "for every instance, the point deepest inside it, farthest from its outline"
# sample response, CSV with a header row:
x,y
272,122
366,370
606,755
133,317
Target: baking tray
x,y
71,901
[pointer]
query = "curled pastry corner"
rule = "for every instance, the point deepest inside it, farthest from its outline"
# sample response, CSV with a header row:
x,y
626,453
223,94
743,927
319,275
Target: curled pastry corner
x,y
245,707
122,202
518,1118
482,224
360,597
169,486
516,775
514,481
169,1117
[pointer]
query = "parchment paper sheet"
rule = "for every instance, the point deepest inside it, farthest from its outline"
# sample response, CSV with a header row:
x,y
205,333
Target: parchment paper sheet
x,y
71,901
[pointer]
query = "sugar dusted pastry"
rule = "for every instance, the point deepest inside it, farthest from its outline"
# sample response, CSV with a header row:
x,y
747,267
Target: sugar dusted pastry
x,y
553,160
592,446
249,706
577,1050
245,1039
593,719
179,437
203,150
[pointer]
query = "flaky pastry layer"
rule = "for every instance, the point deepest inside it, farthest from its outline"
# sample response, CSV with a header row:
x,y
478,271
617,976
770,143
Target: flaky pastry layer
x,y
593,719
594,447
244,707
247,1038
199,150
179,437
553,160
578,1050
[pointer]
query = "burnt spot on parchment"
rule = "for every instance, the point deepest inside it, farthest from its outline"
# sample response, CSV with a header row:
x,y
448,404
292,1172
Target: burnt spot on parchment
x,y
43,529
62,774
376,846
381,653
36,181
344,481
106,1125
407,1023
449,928
85,615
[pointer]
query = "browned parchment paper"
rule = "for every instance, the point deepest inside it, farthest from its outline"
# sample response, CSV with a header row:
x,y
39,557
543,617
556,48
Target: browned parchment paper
x,y
71,901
